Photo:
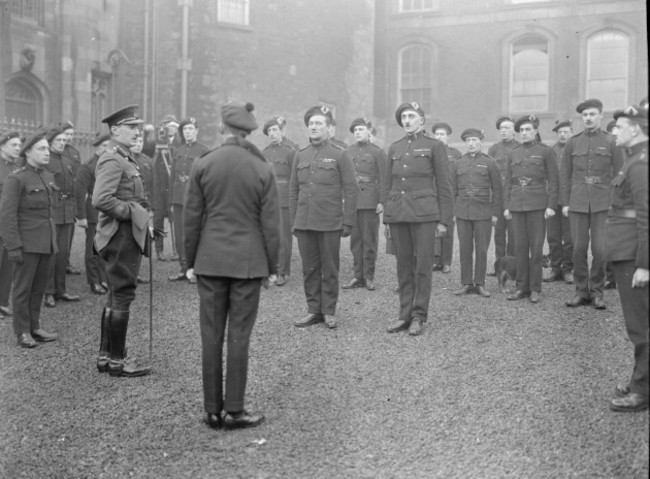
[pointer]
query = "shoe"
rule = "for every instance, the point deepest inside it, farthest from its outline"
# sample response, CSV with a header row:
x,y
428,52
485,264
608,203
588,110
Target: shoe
x,y
102,364
578,301
43,336
398,326
69,298
535,297
330,321
446,269
355,283
481,291
466,289
599,303
281,281
370,285
5,311
631,402
236,420
178,277
129,367
97,289
436,267
25,340
142,280
415,328
609,285
48,300
552,276
72,270
517,295
308,320
621,390
568,277
213,420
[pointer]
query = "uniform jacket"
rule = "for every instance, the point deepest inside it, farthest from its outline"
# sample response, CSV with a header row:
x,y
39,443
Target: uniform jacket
x,y
323,189
26,211
162,164
64,171
7,167
499,151
85,184
71,153
146,170
558,148
184,156
453,154
231,216
370,167
281,157
418,181
531,178
587,170
627,238
117,195
476,184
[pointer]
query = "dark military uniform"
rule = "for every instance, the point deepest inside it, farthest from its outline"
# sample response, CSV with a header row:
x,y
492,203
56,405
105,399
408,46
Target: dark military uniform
x,y
184,156
146,170
477,188
6,268
27,225
370,167
160,201
418,186
73,154
558,232
588,168
322,199
282,157
627,249
504,235
63,169
531,187
443,249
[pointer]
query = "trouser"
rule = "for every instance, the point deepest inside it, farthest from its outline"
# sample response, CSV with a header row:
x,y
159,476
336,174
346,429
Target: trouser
x,y
586,227
504,246
363,244
560,246
319,251
286,243
473,236
56,281
634,302
122,258
6,275
95,270
179,236
234,301
30,280
413,244
159,225
443,248
530,231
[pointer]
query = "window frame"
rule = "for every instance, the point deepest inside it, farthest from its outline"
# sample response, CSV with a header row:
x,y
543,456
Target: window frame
x,y
588,59
246,13
429,81
510,52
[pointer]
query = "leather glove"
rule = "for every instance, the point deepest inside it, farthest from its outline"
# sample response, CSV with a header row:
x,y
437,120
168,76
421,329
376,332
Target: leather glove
x,y
159,233
144,203
346,231
15,255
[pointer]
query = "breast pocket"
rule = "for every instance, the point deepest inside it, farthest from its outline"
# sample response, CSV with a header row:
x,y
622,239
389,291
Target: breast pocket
x,y
36,198
424,204
303,172
580,157
327,174
537,167
135,183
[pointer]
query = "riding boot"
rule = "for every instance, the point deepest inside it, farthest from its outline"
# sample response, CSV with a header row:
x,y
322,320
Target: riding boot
x,y
119,364
104,346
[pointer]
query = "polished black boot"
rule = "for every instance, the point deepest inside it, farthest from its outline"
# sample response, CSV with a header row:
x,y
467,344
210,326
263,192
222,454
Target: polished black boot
x,y
119,364
104,347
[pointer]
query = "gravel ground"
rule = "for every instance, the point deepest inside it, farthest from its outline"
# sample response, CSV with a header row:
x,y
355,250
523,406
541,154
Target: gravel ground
x,y
491,389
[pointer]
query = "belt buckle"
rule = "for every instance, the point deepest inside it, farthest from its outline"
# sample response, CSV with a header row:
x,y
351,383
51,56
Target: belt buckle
x,y
589,180
523,181
470,192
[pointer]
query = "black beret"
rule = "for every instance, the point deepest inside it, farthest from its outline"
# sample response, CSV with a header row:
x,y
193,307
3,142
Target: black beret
x,y
239,115
531,119
126,116
501,119
441,125
321,110
644,102
472,133
8,135
99,139
31,141
415,106
52,133
188,121
278,121
610,126
590,103
360,122
637,114
561,124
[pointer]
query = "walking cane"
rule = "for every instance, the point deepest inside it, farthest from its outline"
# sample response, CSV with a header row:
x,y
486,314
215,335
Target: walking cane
x,y
150,239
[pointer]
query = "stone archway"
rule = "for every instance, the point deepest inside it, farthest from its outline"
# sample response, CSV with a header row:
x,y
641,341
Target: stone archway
x,y
26,100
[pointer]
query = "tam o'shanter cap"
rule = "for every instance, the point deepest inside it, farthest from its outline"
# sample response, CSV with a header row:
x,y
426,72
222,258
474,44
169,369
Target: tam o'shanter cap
x,y
501,119
414,106
66,125
8,135
561,124
31,141
278,121
360,122
590,103
188,121
100,138
472,133
441,125
321,110
527,119
239,115
52,133
639,114
125,116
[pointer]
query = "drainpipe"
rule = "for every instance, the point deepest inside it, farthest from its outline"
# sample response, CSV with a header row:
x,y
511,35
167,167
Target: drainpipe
x,y
185,62
145,86
154,64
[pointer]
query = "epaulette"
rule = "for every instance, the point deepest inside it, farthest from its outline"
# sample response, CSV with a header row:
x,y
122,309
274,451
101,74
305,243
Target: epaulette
x,y
337,146
578,134
303,149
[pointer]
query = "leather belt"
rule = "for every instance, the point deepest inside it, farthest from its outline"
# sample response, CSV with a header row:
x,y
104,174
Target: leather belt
x,y
475,190
365,179
621,213
526,181
64,196
593,180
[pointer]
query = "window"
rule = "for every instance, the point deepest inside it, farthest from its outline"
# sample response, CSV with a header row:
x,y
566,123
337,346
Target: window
x,y
99,106
529,74
23,103
518,2
417,5
27,10
233,11
608,68
415,75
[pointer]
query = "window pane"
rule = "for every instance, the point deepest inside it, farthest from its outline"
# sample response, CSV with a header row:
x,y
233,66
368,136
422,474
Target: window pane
x,y
418,5
529,82
233,11
607,68
415,78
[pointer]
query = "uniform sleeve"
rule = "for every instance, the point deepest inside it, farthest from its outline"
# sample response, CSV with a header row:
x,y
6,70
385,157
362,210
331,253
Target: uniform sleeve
x,y
507,189
497,188
565,173
172,177
81,190
381,170
388,174
9,204
270,219
443,182
552,178
109,173
638,178
160,182
492,150
350,189
453,175
193,212
294,188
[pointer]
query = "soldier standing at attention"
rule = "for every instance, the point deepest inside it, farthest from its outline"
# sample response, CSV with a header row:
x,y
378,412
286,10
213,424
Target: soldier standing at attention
x,y
370,166
145,164
322,206
121,238
476,183
27,228
444,247
531,198
184,156
418,208
74,156
281,154
588,167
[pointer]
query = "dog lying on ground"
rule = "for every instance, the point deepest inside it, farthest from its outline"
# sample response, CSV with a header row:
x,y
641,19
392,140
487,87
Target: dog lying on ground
x,y
505,269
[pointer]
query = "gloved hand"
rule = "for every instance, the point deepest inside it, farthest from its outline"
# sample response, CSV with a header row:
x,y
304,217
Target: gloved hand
x,y
158,233
346,231
15,255
269,281
144,203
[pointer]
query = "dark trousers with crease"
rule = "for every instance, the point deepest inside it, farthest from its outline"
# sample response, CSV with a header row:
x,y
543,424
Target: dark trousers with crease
x,y
95,270
122,258
504,237
530,232
473,237
560,246
30,281
443,248
363,244
413,244
588,228
6,275
286,243
319,251
179,236
634,302
234,302
56,281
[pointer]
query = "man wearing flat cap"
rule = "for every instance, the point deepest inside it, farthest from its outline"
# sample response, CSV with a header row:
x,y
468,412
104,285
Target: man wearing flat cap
x,y
322,206
588,166
281,155
531,198
9,155
232,239
370,166
444,247
558,232
418,208
121,239
477,188
183,159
